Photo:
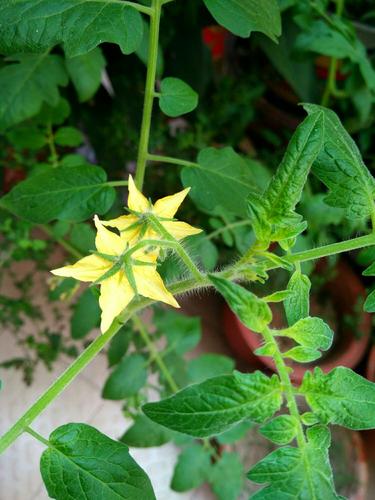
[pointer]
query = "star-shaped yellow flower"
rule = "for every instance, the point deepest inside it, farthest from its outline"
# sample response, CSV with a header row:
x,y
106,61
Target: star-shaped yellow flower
x,y
118,284
132,227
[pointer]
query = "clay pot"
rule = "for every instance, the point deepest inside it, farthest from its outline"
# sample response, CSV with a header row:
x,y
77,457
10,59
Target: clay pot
x,y
349,346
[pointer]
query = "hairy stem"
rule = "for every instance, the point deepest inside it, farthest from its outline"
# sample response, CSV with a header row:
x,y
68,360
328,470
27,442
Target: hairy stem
x,y
149,92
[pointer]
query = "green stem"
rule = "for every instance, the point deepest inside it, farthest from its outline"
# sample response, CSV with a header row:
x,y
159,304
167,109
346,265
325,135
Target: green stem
x,y
116,183
52,147
282,370
138,323
65,244
149,92
37,436
140,8
169,159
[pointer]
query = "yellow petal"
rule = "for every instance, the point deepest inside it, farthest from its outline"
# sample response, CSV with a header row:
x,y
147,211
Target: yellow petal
x,y
115,295
106,241
180,229
150,284
122,223
168,206
89,268
136,200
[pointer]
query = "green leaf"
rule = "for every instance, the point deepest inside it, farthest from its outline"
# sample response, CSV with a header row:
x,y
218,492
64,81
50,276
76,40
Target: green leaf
x,y
86,315
80,25
309,332
68,136
28,82
85,71
296,473
370,271
119,345
144,433
209,365
235,433
280,430
126,379
215,405
176,97
53,115
241,18
369,305
82,237
27,137
340,167
192,468
66,193
83,463
183,333
302,354
252,311
278,296
297,305
203,250
227,477
222,178
340,397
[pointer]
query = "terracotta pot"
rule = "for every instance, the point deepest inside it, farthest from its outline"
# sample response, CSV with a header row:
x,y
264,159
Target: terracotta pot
x,y
348,347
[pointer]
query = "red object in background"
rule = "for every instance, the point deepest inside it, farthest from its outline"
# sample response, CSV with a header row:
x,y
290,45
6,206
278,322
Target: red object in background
x,y
215,37
11,177
322,69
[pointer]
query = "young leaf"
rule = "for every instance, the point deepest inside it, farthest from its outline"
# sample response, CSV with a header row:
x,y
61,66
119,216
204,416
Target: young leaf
x,y
340,167
297,305
215,405
296,473
66,193
280,430
176,97
227,476
126,379
340,397
68,136
309,332
86,315
182,333
192,468
252,311
278,296
209,365
241,18
27,83
83,463
223,178
80,25
144,433
85,71
369,305
302,354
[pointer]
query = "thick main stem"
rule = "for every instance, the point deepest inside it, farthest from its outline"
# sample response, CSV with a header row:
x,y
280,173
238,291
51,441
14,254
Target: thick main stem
x,y
149,91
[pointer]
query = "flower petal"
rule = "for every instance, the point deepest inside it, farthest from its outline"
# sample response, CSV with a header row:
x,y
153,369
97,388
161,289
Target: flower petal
x,y
136,200
180,229
89,268
106,241
122,223
115,295
150,284
168,206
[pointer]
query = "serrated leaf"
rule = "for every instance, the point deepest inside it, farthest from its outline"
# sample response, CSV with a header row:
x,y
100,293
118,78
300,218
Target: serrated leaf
x,y
127,378
209,365
369,305
242,18
215,405
176,97
66,193
309,332
144,433
86,315
80,25
222,179
280,430
227,477
28,82
296,473
83,463
340,397
192,468
85,71
297,305
183,333
302,354
340,167
68,136
251,310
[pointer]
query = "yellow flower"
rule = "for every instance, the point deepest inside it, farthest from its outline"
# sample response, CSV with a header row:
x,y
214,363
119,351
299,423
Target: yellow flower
x,y
132,227
119,282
